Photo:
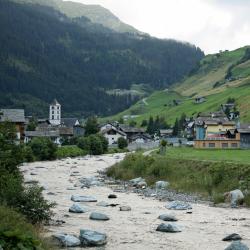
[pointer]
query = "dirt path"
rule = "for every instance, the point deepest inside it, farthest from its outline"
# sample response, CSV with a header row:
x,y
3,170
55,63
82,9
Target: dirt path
x,y
203,229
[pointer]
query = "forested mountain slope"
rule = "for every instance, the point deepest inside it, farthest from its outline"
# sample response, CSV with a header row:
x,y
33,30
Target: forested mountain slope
x,y
46,55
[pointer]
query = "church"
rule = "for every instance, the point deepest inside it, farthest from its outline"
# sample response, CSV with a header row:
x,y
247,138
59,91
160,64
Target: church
x,y
56,128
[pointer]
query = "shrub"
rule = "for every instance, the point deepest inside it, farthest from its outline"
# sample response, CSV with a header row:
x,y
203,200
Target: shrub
x,y
32,204
43,149
16,232
28,155
122,143
69,151
93,144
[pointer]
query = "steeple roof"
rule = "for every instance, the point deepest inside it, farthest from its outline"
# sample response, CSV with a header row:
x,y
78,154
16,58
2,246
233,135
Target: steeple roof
x,y
55,102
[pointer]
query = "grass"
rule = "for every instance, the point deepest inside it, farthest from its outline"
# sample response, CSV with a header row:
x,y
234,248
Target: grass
x,y
227,155
209,179
69,151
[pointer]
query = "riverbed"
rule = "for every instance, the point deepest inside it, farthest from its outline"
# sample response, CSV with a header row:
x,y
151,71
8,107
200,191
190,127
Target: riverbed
x,y
135,229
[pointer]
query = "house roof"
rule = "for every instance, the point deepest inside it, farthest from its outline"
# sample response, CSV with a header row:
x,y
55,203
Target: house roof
x,y
138,136
166,131
55,102
70,122
213,121
45,133
128,129
104,131
66,131
12,115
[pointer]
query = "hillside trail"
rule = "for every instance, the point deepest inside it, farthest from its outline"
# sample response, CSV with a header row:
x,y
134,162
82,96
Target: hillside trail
x,y
135,229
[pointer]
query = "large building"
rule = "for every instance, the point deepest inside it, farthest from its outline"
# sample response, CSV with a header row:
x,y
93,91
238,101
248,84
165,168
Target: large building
x,y
16,117
214,130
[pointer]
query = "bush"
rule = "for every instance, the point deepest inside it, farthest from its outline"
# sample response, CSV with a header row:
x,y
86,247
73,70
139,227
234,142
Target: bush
x,y
93,144
69,151
16,232
122,143
32,204
28,154
43,149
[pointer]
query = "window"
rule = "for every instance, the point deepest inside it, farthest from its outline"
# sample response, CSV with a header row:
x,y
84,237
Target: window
x,y
224,145
52,107
53,112
58,117
58,112
211,145
58,107
234,145
52,117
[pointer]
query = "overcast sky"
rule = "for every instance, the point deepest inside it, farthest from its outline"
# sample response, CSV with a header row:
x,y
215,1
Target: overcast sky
x,y
212,25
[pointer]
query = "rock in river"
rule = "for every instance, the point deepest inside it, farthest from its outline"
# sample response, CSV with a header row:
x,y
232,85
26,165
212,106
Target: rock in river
x,y
92,238
232,237
167,217
237,245
235,197
102,204
168,228
178,205
76,208
161,185
112,196
83,198
125,208
98,216
67,240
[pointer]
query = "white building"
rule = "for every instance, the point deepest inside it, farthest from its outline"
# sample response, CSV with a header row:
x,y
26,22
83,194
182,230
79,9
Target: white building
x,y
112,135
55,113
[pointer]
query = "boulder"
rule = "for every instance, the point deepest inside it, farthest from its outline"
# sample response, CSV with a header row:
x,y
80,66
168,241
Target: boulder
x,y
90,181
112,196
83,198
168,228
232,237
235,197
98,216
102,204
125,208
67,240
161,185
76,208
92,238
141,184
178,205
134,182
237,245
167,217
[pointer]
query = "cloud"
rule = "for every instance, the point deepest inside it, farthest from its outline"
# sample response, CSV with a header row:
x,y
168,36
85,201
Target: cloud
x,y
212,25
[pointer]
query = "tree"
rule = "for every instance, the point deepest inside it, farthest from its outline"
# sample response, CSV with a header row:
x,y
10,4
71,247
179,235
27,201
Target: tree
x,y
144,123
91,126
176,127
132,123
150,127
43,149
28,201
122,143
32,125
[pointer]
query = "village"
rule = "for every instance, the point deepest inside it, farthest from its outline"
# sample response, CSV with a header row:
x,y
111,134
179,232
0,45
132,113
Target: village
x,y
221,129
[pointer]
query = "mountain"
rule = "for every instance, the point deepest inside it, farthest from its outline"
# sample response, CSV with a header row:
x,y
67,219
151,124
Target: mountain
x,y
217,77
95,13
45,55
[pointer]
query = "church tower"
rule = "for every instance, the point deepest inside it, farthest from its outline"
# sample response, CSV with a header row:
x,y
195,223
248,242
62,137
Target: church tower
x,y
55,113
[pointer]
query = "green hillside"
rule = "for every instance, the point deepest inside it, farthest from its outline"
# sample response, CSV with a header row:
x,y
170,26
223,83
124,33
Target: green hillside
x,y
218,77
